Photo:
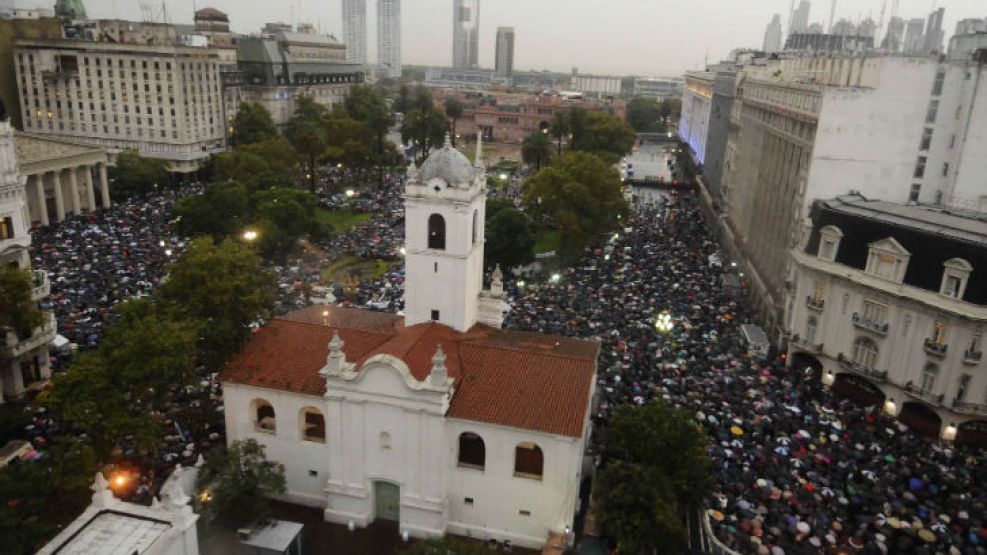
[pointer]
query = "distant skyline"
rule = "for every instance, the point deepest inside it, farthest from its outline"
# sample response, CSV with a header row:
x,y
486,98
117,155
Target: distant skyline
x,y
620,37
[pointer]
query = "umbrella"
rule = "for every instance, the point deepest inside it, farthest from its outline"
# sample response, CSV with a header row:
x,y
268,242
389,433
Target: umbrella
x,y
736,430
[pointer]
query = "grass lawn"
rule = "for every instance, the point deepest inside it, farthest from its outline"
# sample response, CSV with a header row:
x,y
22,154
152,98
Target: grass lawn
x,y
343,220
548,240
350,266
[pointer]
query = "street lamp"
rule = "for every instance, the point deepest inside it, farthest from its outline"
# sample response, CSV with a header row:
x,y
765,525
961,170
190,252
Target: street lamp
x,y
664,322
350,193
555,278
249,235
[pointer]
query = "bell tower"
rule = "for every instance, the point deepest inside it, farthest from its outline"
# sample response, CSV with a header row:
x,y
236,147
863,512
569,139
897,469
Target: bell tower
x,y
445,208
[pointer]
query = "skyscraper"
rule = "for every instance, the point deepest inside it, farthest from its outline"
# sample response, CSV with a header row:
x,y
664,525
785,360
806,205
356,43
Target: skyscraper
x,y
914,36
934,33
772,35
800,18
389,37
465,33
355,30
894,39
504,63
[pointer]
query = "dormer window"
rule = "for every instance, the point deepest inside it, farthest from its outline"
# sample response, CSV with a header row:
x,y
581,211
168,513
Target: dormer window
x,y
956,273
888,260
829,242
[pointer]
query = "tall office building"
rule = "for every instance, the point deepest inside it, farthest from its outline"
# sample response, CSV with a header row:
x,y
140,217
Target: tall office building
x,y
934,33
389,37
914,36
465,33
504,63
772,35
800,18
355,30
893,39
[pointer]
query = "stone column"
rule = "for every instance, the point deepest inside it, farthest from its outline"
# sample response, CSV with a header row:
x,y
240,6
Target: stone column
x,y
74,191
90,193
41,199
59,197
104,185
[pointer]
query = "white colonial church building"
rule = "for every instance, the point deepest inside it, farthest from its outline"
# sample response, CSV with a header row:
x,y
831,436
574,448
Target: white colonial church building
x,y
439,419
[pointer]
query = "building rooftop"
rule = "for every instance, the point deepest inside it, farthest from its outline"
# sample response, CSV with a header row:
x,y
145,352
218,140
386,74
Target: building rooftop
x,y
33,149
115,533
517,379
963,225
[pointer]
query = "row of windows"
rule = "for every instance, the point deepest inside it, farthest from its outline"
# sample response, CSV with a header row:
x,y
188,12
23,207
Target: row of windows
x,y
529,461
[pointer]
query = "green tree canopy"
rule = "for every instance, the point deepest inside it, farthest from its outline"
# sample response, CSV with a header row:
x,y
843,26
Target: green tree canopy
x,y
606,136
580,195
18,311
510,240
237,482
221,210
225,287
309,133
134,174
644,115
426,128
657,468
253,124
281,158
560,128
536,150
454,110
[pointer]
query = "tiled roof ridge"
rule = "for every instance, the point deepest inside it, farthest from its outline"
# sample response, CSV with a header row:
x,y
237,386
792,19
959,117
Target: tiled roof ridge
x,y
474,342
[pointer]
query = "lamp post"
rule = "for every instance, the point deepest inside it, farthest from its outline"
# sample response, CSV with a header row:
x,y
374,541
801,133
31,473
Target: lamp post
x,y
250,235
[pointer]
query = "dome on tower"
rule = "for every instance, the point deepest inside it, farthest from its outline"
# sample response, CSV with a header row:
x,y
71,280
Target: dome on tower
x,y
71,9
448,164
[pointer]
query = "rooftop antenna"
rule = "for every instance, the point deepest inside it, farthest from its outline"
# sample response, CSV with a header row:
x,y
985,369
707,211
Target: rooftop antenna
x,y
832,15
164,12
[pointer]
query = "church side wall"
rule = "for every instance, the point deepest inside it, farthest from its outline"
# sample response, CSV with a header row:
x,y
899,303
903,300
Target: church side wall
x,y
499,498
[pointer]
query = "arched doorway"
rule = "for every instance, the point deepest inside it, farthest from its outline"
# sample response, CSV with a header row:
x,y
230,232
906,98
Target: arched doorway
x,y
387,501
921,418
972,433
808,365
857,389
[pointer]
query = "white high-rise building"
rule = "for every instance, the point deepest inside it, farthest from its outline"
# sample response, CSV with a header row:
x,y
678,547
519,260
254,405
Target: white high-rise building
x,y
772,35
504,62
389,37
934,33
466,33
914,36
800,18
895,36
355,30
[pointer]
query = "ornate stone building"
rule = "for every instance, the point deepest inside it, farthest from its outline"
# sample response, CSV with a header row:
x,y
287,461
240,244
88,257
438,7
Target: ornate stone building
x,y
63,178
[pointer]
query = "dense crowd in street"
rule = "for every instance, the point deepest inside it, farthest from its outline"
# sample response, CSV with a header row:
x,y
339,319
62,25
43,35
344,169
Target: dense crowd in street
x,y
797,470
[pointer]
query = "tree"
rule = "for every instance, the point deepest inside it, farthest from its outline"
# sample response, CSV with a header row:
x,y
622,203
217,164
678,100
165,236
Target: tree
x,y
365,105
308,132
18,310
580,195
536,150
495,205
606,136
454,110
576,119
235,484
656,468
281,159
559,128
403,102
644,115
137,175
426,128
220,211
445,546
290,214
510,239
253,124
423,99
225,287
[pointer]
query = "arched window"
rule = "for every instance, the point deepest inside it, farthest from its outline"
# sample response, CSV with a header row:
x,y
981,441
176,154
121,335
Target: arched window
x,y
436,232
264,418
385,441
528,461
476,217
313,425
929,375
865,352
810,329
472,451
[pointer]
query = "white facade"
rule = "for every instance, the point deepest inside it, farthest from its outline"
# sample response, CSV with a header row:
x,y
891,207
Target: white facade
x,y
659,88
163,100
355,30
24,362
597,85
696,111
389,37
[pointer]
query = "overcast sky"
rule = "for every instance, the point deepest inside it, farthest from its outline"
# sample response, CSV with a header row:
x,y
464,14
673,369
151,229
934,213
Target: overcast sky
x,y
646,37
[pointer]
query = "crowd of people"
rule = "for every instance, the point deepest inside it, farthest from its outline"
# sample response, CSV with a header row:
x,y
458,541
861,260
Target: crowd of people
x,y
797,469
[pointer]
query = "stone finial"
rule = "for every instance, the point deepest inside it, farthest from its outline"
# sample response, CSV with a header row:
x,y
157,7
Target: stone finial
x,y
173,493
497,282
413,171
479,149
99,484
102,495
439,373
337,358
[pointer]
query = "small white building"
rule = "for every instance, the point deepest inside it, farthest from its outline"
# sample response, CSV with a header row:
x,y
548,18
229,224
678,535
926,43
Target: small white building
x,y
438,420
888,302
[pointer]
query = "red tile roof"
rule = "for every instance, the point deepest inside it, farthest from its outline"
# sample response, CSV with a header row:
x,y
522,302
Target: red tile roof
x,y
522,380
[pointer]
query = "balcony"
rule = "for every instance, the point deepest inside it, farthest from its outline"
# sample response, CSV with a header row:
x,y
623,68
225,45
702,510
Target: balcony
x,y
927,396
13,347
41,285
870,325
972,357
816,348
934,348
862,369
964,407
815,304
